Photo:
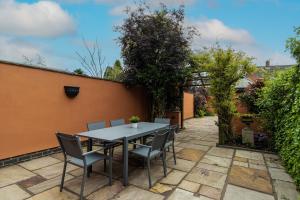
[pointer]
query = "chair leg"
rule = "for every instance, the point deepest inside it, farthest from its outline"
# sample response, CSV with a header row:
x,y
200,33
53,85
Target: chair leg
x,y
110,166
164,163
63,177
174,154
83,182
105,153
149,175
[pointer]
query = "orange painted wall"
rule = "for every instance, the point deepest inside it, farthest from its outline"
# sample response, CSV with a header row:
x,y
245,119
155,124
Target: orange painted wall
x,y
34,106
188,105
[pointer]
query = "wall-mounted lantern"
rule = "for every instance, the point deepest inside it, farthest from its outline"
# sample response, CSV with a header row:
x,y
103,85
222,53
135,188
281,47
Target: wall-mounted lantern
x,y
71,91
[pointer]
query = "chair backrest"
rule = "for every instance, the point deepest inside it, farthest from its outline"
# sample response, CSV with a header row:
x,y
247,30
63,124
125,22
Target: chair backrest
x,y
117,122
96,125
173,129
70,145
162,120
159,140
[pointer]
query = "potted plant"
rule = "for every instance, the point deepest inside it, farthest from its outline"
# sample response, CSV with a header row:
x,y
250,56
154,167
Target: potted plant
x,y
134,121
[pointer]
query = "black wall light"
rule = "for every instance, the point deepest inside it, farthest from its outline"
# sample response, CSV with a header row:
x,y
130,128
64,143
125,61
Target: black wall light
x,y
71,91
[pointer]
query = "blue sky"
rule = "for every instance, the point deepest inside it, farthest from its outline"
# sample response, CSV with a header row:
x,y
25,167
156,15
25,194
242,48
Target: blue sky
x,y
54,29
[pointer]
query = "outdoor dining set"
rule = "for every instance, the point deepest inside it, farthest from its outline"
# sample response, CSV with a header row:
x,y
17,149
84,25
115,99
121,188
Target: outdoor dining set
x,y
154,140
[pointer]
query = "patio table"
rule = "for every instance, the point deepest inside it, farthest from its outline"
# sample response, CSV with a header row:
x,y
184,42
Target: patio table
x,y
122,133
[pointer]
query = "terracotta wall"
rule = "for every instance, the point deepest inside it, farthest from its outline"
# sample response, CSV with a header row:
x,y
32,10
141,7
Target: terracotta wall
x,y
188,105
34,106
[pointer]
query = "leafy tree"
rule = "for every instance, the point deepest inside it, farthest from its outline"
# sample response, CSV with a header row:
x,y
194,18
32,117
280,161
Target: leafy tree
x,y
293,45
155,49
79,71
115,72
251,95
225,67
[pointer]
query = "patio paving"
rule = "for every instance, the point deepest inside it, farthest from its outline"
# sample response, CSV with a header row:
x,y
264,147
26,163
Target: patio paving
x,y
203,172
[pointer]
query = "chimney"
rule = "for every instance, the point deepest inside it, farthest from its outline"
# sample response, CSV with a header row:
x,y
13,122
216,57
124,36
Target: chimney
x,y
268,63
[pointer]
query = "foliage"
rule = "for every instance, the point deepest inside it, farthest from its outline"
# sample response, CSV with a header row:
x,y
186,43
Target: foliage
x,y
225,67
250,96
293,45
79,71
201,112
155,48
115,72
134,119
200,94
280,108
92,61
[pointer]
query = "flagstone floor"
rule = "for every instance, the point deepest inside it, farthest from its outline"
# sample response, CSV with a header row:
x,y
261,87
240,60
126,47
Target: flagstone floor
x,y
203,171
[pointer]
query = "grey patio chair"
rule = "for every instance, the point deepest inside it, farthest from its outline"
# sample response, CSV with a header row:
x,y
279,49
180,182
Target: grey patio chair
x,y
162,120
72,151
155,149
171,140
117,122
105,144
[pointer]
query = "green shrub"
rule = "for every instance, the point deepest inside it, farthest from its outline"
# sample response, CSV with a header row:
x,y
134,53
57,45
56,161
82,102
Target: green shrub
x,y
200,113
280,107
134,119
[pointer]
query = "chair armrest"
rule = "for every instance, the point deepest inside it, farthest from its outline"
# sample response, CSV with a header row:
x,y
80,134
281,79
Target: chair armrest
x,y
142,145
89,152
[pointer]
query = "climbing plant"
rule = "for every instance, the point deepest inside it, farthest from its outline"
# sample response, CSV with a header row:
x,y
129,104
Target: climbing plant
x,y
225,67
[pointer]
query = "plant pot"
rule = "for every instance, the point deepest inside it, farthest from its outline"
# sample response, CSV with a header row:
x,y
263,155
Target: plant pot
x,y
134,125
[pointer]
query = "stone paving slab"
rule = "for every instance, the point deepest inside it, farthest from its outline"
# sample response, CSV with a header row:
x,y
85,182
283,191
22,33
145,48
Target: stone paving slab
x,y
54,170
39,163
94,182
13,174
183,194
194,146
173,178
190,154
215,168
250,178
107,192
31,181
182,165
206,177
13,192
210,192
239,193
280,174
139,177
40,187
54,194
221,152
215,160
249,154
189,186
136,193
286,190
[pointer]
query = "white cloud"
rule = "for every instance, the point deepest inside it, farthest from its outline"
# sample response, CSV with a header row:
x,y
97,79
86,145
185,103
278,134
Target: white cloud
x,y
14,50
212,30
43,19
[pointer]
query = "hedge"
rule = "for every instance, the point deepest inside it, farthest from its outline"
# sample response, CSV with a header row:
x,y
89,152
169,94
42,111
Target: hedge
x,y
280,107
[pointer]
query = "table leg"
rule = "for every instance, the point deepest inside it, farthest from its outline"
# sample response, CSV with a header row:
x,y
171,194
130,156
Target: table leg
x,y
89,148
125,162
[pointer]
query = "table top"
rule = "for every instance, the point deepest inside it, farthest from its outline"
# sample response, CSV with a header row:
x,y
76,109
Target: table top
x,y
123,131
